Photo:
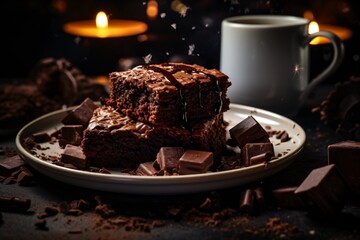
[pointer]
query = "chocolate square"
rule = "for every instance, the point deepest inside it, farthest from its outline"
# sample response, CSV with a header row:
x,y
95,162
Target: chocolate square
x,y
81,114
74,155
71,134
324,190
346,157
146,169
248,131
10,164
255,153
168,158
194,161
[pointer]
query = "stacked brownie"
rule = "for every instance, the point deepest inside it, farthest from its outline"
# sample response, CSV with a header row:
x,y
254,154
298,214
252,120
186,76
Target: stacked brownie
x,y
155,106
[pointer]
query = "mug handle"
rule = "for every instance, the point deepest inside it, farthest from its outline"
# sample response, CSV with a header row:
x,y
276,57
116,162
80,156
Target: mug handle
x,y
339,52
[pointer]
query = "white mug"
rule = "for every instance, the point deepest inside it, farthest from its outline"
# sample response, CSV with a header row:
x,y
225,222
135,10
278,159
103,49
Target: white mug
x,y
267,60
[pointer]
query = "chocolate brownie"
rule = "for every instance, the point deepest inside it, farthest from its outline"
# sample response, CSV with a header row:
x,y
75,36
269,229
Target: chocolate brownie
x,y
169,93
113,139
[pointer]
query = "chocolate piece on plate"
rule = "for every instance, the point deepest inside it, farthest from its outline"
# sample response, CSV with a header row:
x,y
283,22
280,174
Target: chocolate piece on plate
x,y
346,157
285,197
194,161
254,153
10,164
168,158
71,134
80,114
41,137
324,190
248,131
146,169
75,156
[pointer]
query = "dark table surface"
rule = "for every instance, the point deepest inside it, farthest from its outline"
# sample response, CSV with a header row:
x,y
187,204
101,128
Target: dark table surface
x,y
180,216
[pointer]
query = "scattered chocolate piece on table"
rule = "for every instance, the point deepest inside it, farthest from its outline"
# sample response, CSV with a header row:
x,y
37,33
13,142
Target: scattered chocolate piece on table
x,y
194,161
346,157
168,158
74,155
248,131
261,151
285,197
259,197
10,164
247,200
14,204
324,190
80,114
25,177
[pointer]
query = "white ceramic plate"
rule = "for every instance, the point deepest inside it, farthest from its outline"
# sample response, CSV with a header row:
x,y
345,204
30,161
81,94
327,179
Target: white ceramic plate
x,y
157,185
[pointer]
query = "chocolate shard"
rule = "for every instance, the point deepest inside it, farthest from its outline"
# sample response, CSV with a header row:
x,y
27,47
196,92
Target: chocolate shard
x,y
81,114
346,157
259,197
41,137
168,158
248,131
146,169
14,204
75,156
194,161
324,191
255,153
71,134
10,164
285,197
246,200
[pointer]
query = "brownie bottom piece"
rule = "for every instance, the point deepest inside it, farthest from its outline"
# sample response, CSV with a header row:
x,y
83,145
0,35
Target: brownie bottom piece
x,y
115,140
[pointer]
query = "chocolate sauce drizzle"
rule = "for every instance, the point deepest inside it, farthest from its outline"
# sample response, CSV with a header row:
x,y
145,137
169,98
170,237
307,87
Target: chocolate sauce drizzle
x,y
169,76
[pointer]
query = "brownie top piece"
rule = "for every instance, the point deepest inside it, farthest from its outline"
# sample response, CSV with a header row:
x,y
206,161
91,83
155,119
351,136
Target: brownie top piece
x,y
169,93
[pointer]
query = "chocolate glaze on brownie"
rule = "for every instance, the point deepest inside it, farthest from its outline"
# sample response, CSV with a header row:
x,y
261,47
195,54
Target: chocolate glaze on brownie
x,y
170,93
115,140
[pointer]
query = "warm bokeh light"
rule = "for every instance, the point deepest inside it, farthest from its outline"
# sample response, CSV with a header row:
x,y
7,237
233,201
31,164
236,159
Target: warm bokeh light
x,y
152,9
101,20
313,27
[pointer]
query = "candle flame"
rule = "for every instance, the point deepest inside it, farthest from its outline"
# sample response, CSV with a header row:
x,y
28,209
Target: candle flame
x,y
101,20
152,9
313,27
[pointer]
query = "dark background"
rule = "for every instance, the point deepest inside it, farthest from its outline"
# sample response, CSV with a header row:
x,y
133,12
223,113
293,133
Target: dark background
x,y
32,29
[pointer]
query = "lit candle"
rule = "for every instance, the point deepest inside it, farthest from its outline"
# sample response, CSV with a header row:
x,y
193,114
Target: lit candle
x,y
341,32
104,28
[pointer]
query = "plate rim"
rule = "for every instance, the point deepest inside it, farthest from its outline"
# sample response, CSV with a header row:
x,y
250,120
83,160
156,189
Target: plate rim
x,y
134,180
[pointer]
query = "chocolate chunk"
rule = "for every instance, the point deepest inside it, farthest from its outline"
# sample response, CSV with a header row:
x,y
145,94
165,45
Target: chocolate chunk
x,y
25,177
14,204
285,197
168,158
41,224
246,200
41,137
146,169
261,158
81,114
10,164
194,161
323,190
74,155
259,197
248,131
71,134
254,153
346,157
